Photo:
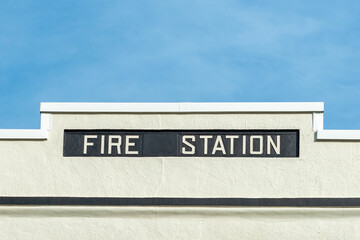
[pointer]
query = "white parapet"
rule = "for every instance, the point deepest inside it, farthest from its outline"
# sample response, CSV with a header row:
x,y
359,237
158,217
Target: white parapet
x,y
29,134
316,108
181,107
346,135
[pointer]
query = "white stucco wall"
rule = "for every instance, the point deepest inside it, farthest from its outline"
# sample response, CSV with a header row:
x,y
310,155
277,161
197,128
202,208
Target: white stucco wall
x,y
178,223
37,168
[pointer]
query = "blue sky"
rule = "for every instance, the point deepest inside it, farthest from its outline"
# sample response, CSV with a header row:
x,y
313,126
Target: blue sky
x,y
176,51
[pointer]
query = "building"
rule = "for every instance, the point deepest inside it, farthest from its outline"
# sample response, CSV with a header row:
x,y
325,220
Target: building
x,y
180,171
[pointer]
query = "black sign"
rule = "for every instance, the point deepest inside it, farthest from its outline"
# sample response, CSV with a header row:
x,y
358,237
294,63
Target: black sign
x,y
181,143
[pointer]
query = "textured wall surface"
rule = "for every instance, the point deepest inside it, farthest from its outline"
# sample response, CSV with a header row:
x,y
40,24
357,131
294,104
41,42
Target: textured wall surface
x,y
37,168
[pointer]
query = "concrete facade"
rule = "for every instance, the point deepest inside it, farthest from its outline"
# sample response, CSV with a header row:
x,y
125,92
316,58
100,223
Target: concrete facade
x,y
34,166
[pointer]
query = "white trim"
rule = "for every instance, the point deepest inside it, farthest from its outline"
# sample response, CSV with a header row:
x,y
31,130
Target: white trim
x,y
45,121
318,121
23,134
338,135
317,108
332,135
29,134
180,107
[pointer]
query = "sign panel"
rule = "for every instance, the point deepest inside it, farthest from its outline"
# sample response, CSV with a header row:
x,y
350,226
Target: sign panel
x,y
181,143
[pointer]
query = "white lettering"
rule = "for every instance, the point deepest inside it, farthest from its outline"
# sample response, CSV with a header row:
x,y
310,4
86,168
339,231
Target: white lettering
x,y
129,144
183,149
244,145
206,138
271,142
218,146
231,137
114,144
88,144
252,150
102,150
